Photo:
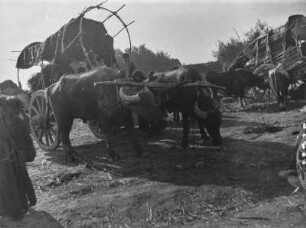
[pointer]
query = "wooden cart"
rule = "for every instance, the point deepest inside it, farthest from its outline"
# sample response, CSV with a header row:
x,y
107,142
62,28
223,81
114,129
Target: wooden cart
x,y
81,39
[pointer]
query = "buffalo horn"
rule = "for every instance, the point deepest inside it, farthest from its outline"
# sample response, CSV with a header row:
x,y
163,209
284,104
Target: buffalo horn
x,y
128,98
199,112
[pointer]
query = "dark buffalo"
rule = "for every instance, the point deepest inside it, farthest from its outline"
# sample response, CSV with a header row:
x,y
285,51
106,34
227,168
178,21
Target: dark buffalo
x,y
16,148
279,81
235,82
190,101
9,88
75,96
52,72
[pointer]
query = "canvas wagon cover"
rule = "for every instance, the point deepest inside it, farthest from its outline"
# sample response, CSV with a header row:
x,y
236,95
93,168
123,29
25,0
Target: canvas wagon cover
x,y
80,39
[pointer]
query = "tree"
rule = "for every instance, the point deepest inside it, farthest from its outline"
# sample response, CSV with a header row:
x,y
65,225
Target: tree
x,y
259,29
146,60
228,50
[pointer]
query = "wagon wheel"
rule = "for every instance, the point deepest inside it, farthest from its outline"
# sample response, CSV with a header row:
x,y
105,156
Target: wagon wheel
x,y
94,127
301,163
264,89
42,122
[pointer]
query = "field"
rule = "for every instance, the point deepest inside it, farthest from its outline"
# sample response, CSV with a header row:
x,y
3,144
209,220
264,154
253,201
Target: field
x,y
236,185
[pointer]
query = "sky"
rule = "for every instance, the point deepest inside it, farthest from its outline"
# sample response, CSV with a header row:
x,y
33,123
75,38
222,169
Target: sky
x,y
188,30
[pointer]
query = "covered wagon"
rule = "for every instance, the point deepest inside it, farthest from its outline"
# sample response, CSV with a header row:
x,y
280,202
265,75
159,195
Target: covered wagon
x,y
285,44
80,45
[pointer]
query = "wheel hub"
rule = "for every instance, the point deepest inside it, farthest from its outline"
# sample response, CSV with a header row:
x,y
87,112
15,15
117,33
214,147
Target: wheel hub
x,y
42,122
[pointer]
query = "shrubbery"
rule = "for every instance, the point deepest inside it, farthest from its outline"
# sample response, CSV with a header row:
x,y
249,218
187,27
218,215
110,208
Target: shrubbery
x,y
228,50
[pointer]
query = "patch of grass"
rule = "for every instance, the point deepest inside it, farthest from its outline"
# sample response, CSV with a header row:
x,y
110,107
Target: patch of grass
x,y
62,179
196,205
262,128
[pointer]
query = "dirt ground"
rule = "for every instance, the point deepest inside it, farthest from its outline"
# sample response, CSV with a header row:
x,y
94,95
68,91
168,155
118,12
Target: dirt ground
x,y
236,185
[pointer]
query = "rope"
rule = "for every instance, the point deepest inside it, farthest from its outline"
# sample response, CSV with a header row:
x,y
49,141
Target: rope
x,y
86,54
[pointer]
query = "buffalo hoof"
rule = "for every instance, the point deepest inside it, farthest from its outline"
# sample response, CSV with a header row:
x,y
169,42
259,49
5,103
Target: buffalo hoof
x,y
282,106
185,145
217,141
138,150
76,157
143,154
68,159
204,139
114,158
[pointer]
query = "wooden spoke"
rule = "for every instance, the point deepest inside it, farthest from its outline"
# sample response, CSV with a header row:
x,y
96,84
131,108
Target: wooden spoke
x,y
40,133
34,109
53,123
93,126
38,106
46,136
49,133
43,107
53,132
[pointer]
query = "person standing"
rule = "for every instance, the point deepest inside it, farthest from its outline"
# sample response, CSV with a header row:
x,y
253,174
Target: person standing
x,y
16,148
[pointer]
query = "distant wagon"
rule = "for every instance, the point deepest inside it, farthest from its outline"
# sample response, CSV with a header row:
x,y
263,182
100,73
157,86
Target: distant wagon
x,y
285,44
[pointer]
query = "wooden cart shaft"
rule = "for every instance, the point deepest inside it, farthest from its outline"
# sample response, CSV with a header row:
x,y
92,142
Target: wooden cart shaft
x,y
158,85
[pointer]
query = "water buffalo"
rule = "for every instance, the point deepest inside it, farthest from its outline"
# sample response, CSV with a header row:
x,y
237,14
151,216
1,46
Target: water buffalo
x,y
16,148
52,72
279,81
235,82
75,96
190,101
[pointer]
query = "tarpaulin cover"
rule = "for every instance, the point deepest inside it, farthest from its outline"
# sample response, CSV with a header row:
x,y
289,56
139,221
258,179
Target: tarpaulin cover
x,y
80,39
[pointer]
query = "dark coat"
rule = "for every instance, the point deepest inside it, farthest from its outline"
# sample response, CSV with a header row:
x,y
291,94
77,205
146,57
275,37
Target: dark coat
x,y
16,148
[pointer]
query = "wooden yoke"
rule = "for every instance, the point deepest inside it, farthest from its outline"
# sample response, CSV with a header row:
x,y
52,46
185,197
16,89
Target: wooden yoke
x,y
158,84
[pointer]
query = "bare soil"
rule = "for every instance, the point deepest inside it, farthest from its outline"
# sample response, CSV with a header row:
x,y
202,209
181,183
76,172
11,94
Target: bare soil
x,y
236,185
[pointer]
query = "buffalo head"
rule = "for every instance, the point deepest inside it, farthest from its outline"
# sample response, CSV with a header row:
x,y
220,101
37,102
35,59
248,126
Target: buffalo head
x,y
136,100
205,108
142,102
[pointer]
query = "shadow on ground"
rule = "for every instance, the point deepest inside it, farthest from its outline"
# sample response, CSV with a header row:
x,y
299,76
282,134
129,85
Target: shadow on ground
x,y
238,163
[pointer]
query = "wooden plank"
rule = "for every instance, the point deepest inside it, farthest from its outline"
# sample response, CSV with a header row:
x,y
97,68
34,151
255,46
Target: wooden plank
x,y
157,85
